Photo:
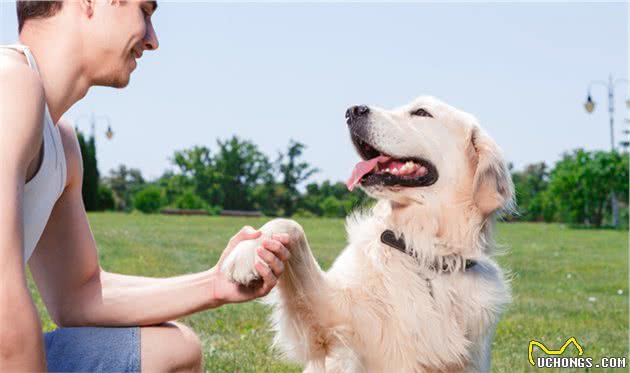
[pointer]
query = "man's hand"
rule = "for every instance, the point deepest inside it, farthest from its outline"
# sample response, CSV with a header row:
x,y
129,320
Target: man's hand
x,y
272,251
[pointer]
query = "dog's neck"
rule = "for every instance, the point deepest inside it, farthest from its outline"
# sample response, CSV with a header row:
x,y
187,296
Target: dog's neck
x,y
433,232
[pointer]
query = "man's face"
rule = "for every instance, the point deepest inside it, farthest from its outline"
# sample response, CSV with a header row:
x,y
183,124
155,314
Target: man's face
x,y
118,34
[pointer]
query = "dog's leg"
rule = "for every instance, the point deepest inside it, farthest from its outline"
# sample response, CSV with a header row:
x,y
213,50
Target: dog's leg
x,y
239,265
306,307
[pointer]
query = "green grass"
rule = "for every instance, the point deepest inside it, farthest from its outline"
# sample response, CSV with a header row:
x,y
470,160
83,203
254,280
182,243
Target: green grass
x,y
554,269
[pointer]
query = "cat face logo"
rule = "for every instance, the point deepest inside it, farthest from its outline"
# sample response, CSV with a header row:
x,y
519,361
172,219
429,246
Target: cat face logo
x,y
533,343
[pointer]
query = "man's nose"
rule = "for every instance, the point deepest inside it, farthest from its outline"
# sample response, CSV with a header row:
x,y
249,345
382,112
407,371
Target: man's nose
x,y
150,39
356,112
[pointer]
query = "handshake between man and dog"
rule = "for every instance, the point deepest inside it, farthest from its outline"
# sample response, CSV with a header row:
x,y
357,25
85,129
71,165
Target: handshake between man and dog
x,y
416,288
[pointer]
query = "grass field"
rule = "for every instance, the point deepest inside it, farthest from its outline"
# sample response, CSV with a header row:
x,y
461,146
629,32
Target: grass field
x,y
555,271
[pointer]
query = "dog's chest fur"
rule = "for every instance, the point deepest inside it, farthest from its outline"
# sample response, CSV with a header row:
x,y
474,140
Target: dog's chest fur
x,y
402,322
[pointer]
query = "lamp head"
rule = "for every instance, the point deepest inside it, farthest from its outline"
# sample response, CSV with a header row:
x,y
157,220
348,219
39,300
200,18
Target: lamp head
x,y
589,105
109,133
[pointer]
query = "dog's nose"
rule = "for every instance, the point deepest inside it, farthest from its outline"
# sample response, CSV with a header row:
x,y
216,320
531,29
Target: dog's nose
x,y
356,111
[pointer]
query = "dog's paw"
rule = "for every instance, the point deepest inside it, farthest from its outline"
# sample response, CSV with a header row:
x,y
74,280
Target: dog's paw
x,y
239,265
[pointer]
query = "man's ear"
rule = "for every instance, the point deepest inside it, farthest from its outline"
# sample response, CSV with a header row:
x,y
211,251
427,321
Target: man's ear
x,y
492,184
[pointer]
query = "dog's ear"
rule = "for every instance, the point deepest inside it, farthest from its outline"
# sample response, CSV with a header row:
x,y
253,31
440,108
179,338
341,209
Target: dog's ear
x,y
492,184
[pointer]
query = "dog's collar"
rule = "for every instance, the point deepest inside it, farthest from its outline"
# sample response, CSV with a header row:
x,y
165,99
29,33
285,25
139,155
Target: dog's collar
x,y
389,238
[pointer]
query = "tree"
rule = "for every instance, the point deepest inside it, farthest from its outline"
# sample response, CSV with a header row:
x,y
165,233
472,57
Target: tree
x,y
581,184
197,171
293,173
229,178
175,185
331,199
124,183
90,172
332,207
267,197
530,186
241,167
105,198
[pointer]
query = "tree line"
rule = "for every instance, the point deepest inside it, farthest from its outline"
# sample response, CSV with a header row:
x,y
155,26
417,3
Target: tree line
x,y
233,175
576,190
236,175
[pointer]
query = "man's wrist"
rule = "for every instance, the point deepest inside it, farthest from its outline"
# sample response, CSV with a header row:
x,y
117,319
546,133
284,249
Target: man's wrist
x,y
214,300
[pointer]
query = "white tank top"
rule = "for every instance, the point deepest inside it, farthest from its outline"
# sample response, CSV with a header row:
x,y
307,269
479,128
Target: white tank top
x,y
45,188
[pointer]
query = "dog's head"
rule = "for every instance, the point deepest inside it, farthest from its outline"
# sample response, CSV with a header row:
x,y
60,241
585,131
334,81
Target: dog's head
x,y
428,152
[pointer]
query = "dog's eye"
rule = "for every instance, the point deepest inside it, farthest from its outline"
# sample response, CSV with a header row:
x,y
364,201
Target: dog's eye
x,y
422,113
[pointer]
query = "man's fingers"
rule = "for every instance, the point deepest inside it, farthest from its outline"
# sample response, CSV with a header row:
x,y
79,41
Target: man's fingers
x,y
277,248
282,237
272,261
269,279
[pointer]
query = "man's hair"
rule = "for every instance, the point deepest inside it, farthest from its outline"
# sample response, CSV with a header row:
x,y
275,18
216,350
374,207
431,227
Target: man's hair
x,y
27,9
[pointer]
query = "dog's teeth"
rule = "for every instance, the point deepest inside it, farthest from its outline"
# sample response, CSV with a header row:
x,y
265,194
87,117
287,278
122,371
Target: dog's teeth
x,y
395,171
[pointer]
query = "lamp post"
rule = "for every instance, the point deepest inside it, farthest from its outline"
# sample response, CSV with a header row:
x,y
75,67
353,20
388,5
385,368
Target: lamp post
x,y
93,119
625,144
589,106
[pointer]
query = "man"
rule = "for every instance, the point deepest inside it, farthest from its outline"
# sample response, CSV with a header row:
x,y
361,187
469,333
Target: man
x,y
66,48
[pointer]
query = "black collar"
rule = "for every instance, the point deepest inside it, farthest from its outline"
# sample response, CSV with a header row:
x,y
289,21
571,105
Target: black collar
x,y
389,238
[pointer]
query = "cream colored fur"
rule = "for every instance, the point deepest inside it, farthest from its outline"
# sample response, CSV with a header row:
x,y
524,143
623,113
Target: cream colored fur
x,y
373,310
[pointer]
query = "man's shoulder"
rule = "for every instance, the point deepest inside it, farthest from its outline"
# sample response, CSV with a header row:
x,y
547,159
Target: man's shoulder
x,y
16,73
22,89
22,101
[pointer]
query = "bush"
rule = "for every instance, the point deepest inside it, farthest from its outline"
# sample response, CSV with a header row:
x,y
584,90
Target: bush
x,y
581,184
332,207
303,213
214,210
149,200
105,198
190,201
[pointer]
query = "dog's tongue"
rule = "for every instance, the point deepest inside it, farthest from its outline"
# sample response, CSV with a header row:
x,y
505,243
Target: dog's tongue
x,y
362,168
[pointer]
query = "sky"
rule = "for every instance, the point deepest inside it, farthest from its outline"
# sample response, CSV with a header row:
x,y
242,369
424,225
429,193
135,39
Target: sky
x,y
271,72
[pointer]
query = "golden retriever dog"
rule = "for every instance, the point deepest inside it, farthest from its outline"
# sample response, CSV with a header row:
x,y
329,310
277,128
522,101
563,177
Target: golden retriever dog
x,y
416,289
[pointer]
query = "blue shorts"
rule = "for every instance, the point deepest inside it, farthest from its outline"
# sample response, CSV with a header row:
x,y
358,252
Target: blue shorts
x,y
89,349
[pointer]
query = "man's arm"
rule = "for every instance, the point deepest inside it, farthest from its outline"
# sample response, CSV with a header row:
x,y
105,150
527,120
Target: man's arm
x,y
77,291
21,112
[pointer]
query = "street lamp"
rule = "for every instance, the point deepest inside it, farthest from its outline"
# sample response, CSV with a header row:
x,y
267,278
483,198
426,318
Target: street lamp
x,y
589,106
93,119
109,133
626,143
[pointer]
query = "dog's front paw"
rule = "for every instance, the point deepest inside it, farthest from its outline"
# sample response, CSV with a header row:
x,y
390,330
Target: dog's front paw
x,y
239,265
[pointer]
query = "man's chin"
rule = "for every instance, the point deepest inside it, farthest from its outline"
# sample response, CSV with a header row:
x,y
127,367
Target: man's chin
x,y
121,84
118,82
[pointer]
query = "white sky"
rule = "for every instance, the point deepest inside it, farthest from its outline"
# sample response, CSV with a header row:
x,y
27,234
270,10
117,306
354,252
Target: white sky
x,y
269,72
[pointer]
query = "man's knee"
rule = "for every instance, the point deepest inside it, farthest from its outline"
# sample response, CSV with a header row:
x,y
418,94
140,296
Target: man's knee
x,y
191,353
171,346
